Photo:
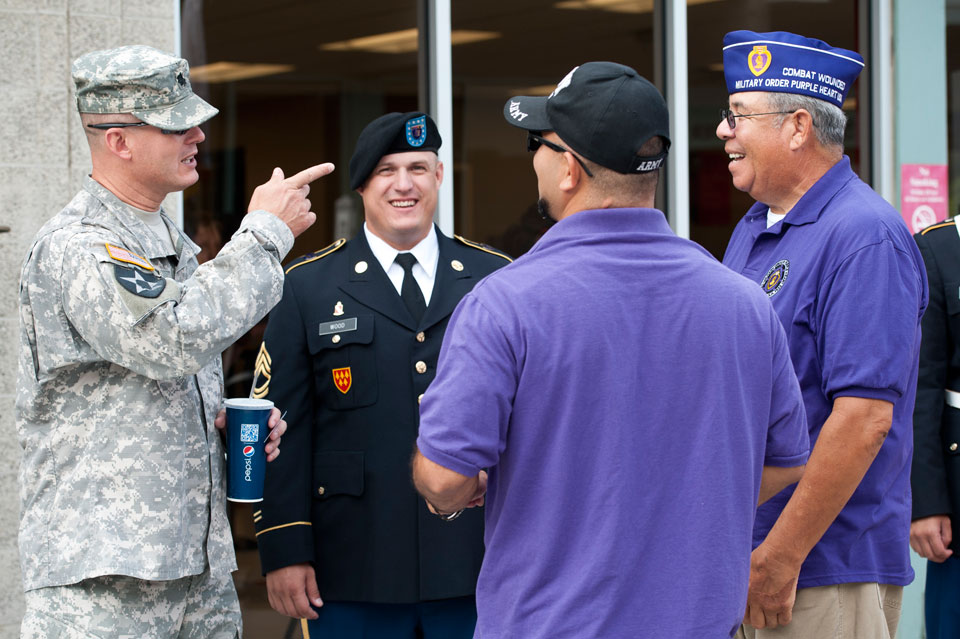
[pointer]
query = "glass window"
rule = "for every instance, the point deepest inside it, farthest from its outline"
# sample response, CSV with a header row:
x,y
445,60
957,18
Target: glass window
x,y
715,206
295,82
532,44
953,103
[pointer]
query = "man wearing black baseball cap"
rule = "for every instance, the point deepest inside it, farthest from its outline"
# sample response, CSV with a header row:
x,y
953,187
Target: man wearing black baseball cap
x,y
347,353
628,138
630,398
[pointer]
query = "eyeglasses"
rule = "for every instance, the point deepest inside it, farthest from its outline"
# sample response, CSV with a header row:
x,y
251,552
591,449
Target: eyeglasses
x,y
731,117
123,125
534,142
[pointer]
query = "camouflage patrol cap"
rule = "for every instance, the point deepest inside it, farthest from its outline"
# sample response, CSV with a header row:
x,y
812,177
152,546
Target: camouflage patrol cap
x,y
151,85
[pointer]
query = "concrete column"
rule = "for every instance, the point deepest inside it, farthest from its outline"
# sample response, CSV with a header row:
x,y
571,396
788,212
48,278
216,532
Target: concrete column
x,y
43,158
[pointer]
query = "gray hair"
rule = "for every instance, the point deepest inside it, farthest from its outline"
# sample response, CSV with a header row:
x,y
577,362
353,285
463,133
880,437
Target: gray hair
x,y
829,121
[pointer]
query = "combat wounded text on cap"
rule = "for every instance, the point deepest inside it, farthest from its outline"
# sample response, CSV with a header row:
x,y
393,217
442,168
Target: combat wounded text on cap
x,y
151,85
391,133
604,111
784,62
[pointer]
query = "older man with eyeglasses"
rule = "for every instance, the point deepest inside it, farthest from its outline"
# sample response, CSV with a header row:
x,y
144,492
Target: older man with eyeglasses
x,y
848,284
123,528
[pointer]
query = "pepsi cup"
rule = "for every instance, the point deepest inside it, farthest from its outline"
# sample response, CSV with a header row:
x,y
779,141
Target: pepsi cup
x,y
246,436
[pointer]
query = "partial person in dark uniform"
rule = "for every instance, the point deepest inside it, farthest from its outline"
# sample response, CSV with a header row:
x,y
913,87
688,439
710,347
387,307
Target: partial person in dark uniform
x,y
348,353
935,477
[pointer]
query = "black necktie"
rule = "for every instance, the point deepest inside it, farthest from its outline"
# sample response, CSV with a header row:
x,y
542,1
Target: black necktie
x,y
410,291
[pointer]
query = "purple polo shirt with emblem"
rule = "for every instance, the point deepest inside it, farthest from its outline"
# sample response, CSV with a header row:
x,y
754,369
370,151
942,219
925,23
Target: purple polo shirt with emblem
x,y
848,282
624,390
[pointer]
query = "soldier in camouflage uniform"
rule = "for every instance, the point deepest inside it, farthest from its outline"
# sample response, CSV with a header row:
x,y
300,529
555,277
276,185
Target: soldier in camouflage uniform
x,y
123,529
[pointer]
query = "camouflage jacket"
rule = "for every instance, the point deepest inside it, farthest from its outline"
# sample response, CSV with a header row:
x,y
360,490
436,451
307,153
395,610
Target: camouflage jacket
x,y
118,386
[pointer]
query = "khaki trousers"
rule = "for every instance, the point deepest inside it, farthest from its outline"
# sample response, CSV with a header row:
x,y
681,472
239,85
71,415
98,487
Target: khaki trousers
x,y
843,611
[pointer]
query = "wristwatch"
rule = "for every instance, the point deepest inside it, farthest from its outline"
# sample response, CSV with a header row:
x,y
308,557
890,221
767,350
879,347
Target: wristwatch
x,y
444,516
451,516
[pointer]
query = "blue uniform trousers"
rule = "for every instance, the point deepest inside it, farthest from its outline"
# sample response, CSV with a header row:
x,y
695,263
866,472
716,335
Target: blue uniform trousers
x,y
443,619
942,599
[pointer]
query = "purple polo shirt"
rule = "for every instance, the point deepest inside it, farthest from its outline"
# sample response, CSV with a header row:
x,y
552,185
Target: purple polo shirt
x,y
624,390
849,285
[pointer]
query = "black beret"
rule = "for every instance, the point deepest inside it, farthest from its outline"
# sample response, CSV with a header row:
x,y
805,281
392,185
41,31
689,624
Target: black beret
x,y
391,133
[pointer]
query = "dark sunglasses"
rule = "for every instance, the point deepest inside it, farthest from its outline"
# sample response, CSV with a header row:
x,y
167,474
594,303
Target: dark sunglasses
x,y
534,141
731,117
123,125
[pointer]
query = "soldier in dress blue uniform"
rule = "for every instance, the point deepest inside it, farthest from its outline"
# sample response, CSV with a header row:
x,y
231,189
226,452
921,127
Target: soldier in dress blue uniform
x,y
935,476
348,353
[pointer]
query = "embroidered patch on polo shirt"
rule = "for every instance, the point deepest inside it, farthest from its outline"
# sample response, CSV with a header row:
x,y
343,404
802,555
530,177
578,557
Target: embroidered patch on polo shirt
x,y
775,277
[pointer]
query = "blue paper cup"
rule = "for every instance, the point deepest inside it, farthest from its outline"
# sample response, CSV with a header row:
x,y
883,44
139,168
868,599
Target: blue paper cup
x,y
246,436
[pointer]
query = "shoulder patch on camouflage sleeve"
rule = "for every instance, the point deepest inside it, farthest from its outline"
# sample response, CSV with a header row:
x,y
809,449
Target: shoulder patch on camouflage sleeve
x,y
121,254
316,255
137,282
482,247
940,225
143,292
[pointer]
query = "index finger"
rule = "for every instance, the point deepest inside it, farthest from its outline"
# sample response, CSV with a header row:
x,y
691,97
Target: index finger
x,y
307,176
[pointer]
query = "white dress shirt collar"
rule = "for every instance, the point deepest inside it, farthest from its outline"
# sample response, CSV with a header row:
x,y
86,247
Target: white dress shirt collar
x,y
427,252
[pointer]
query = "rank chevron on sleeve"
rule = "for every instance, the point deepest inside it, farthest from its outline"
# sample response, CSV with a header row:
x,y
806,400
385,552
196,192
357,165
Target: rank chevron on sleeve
x,y
262,369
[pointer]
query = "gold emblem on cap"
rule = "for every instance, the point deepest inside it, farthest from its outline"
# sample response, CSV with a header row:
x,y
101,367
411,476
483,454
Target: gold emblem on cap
x,y
360,267
759,59
338,307
457,265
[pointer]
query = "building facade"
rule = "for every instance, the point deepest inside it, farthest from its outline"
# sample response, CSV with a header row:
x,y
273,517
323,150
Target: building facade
x,y
297,80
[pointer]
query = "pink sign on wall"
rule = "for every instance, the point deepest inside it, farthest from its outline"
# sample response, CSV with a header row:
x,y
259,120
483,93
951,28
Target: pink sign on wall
x,y
923,194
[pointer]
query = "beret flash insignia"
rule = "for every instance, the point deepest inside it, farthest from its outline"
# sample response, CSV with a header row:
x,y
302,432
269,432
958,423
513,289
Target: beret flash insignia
x,y
417,131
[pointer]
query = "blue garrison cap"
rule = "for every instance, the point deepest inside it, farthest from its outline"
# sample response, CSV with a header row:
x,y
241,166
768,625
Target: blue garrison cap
x,y
788,63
